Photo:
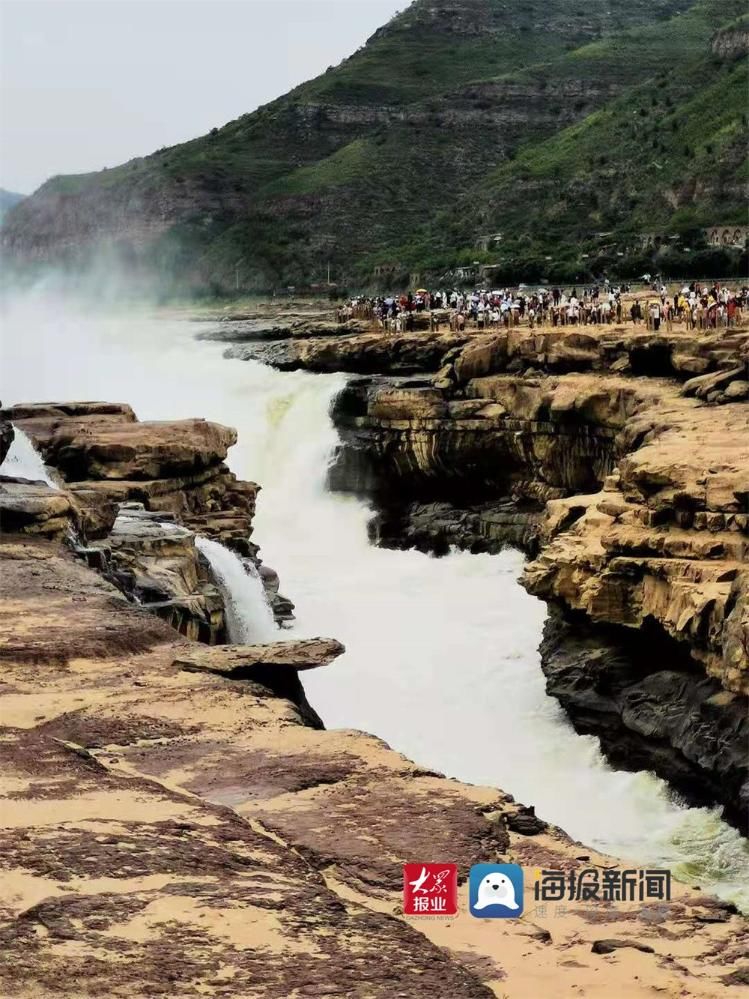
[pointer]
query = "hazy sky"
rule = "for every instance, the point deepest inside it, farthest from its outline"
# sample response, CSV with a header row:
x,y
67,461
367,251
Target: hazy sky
x,y
90,83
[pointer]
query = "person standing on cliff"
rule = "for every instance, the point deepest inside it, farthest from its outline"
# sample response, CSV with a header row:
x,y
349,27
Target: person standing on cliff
x,y
655,316
668,314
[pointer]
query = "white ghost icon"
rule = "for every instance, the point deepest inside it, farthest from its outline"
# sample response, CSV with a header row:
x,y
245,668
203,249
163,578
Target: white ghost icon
x,y
496,889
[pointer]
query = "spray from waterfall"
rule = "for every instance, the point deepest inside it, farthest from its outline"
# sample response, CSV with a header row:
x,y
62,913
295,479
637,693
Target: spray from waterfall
x,y
23,461
249,617
406,619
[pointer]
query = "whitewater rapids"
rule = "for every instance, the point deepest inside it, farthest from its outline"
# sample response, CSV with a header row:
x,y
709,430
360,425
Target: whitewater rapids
x,y
442,657
249,618
23,461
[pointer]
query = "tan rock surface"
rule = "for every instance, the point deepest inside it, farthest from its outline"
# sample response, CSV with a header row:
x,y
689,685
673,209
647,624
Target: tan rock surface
x,y
154,474
176,832
33,508
102,450
242,661
365,353
594,446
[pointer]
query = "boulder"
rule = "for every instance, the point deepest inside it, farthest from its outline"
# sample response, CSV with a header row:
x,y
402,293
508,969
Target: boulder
x,y
737,390
136,451
485,355
703,385
247,661
34,508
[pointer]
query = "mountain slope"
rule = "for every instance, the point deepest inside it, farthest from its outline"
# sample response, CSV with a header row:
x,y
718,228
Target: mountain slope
x,y
8,200
353,168
658,164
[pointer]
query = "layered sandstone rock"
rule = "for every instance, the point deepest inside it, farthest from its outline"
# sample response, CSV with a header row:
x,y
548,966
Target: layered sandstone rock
x,y
155,561
664,549
634,488
28,507
535,438
458,358
35,507
257,328
169,482
173,827
363,354
176,467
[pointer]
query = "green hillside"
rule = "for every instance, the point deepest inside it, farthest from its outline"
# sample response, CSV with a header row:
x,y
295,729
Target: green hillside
x,y
666,160
545,120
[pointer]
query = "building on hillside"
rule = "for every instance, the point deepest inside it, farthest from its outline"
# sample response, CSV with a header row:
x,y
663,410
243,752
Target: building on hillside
x,y
488,241
385,270
465,273
727,235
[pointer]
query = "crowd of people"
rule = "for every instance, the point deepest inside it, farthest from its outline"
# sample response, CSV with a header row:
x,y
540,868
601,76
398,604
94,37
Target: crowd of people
x,y
694,305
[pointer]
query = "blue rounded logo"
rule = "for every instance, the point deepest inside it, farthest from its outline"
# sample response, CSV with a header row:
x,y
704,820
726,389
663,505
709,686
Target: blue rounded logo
x,y
495,891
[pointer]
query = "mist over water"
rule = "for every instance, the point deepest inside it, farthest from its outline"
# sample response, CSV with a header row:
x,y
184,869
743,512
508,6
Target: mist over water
x,y
441,656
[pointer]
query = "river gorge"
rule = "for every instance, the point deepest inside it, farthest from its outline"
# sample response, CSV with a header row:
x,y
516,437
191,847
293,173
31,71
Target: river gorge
x,y
442,653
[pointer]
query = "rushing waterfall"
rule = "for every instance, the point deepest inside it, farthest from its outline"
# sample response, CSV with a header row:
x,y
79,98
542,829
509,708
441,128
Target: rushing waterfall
x,y
23,461
441,657
249,617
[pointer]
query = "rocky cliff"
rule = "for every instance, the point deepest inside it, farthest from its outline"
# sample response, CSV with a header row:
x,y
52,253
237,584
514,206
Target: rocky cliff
x,y
177,820
619,461
135,495
433,134
175,823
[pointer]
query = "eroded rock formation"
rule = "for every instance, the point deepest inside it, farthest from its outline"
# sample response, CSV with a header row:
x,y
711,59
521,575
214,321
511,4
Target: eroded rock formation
x,y
174,467
620,459
359,354
135,494
172,826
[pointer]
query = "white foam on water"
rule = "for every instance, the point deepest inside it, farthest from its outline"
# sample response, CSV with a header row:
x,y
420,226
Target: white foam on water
x,y
249,616
23,461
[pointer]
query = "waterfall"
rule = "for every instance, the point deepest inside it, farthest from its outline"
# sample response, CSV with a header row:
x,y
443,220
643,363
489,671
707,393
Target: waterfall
x,y
434,646
249,617
23,461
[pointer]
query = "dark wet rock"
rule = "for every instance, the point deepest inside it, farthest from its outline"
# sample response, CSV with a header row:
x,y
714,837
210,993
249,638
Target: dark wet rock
x,y
262,329
6,438
526,822
609,946
675,720
435,528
